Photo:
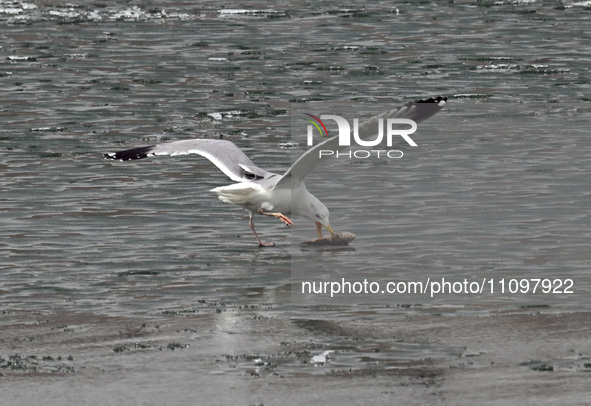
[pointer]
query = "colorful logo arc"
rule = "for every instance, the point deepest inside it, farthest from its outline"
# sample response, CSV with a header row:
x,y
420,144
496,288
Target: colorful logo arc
x,y
317,126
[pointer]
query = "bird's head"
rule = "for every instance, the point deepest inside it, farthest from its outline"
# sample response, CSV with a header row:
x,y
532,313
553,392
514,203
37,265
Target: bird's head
x,y
309,206
321,214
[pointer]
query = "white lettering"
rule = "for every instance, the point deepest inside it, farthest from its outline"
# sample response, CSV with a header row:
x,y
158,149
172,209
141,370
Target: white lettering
x,y
403,133
344,129
400,153
362,153
372,143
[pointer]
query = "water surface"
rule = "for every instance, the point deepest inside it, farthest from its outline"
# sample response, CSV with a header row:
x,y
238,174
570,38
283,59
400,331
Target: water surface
x,y
148,281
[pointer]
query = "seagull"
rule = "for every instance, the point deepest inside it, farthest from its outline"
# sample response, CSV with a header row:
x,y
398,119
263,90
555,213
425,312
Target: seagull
x,y
270,194
321,358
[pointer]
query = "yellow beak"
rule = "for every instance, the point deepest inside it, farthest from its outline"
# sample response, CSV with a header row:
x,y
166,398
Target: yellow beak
x,y
319,229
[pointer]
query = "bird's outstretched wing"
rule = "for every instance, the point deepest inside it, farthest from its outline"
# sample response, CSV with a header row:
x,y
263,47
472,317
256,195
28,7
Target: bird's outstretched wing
x,y
224,154
416,111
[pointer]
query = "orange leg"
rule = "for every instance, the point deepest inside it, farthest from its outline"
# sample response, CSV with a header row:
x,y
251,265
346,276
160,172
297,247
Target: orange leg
x,y
280,216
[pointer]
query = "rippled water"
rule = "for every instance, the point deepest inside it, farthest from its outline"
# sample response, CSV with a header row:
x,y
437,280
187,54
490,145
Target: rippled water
x,y
498,188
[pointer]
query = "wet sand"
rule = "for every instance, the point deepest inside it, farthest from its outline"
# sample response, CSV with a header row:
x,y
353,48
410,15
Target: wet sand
x,y
224,354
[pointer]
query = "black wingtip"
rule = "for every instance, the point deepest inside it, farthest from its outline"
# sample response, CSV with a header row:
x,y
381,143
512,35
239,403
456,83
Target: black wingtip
x,y
134,153
440,100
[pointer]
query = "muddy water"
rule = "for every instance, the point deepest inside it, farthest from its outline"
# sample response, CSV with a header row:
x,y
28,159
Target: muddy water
x,y
128,283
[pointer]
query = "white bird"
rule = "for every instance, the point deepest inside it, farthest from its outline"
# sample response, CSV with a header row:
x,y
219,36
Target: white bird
x,y
321,358
261,192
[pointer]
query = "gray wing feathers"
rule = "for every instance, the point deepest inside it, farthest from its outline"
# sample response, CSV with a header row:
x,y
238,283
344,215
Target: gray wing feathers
x,y
306,163
417,111
238,167
223,154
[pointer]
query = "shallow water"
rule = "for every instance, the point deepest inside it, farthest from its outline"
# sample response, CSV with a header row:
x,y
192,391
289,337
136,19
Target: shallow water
x,y
99,255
